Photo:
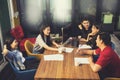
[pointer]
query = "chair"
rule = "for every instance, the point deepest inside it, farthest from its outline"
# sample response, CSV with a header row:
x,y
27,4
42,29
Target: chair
x,y
29,48
18,34
113,45
111,78
23,75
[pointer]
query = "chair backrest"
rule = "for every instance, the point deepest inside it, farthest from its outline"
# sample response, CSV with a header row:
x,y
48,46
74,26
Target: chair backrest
x,y
14,68
23,75
29,47
17,33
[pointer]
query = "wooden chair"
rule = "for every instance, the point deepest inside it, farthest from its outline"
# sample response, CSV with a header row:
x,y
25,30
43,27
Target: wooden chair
x,y
111,78
29,48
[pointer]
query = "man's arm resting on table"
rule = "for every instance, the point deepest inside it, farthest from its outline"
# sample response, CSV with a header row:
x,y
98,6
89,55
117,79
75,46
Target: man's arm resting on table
x,y
95,67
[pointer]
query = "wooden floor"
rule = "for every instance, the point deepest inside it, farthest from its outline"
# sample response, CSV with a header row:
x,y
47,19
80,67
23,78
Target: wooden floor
x,y
116,41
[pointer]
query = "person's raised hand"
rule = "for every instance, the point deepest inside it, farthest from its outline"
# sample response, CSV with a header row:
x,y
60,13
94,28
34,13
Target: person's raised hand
x,y
5,50
80,26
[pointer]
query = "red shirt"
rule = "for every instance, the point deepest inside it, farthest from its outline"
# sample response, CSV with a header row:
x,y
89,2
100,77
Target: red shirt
x,y
109,61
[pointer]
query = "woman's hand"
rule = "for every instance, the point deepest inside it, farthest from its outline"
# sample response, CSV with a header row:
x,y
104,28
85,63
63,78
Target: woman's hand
x,y
61,49
58,46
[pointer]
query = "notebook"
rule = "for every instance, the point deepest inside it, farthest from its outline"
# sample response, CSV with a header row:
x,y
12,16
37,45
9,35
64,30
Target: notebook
x,y
54,57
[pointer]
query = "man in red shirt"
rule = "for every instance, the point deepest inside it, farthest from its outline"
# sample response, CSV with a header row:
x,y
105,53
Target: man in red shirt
x,y
108,63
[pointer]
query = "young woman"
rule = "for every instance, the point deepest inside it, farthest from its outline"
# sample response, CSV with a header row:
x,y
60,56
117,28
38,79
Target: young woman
x,y
92,36
44,41
91,39
15,56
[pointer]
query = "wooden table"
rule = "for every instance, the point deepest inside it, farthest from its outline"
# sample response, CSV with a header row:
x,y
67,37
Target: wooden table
x,y
65,69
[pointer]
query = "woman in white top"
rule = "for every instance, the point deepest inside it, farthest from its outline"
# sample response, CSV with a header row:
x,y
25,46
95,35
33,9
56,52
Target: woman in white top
x,y
44,41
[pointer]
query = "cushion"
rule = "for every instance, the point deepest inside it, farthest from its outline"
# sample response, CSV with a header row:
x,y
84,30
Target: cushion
x,y
17,33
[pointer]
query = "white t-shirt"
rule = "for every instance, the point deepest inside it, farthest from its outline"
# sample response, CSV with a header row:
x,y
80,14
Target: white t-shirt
x,y
39,43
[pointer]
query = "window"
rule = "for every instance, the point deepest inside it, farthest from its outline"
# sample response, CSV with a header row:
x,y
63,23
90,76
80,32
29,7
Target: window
x,y
31,14
34,11
88,7
61,10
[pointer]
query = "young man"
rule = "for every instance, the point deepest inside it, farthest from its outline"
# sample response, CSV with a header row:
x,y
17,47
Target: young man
x,y
85,28
108,63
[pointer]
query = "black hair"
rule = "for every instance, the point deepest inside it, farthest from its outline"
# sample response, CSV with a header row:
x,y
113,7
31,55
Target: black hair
x,y
43,27
8,42
85,19
98,26
105,37
90,26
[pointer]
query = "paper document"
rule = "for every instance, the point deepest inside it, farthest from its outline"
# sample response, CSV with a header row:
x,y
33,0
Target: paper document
x,y
58,57
81,61
84,46
68,50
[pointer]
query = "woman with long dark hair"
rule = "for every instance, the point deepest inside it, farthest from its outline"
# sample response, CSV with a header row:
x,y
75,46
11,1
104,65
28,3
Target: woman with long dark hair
x,y
11,52
44,41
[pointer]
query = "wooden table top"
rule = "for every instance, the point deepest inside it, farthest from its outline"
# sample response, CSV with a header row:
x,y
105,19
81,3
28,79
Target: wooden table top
x,y
64,69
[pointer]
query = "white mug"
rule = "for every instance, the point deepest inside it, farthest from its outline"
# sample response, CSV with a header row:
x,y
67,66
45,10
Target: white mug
x,y
60,49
